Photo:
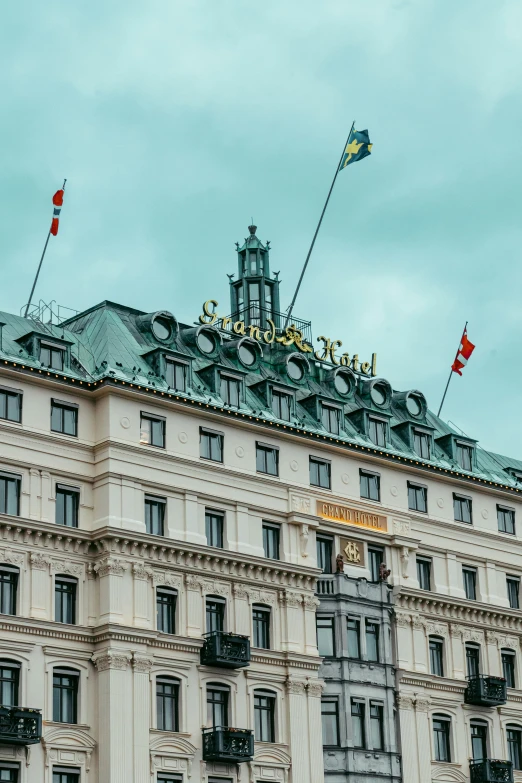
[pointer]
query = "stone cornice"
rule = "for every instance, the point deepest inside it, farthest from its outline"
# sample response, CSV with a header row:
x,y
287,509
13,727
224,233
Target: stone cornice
x,y
277,658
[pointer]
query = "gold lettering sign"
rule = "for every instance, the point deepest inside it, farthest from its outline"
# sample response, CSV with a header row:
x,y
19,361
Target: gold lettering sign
x,y
352,552
352,516
290,335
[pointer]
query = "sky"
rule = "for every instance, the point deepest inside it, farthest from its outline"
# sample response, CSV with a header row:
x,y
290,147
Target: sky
x,y
177,121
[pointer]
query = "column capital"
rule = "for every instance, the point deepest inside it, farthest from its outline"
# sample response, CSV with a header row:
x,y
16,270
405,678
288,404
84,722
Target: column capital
x,y
112,659
112,566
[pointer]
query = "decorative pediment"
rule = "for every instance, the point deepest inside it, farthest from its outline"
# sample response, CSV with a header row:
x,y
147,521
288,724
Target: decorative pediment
x,y
172,744
64,745
272,755
448,774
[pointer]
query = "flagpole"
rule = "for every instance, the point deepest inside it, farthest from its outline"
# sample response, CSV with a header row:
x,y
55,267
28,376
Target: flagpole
x,y
451,372
317,229
39,267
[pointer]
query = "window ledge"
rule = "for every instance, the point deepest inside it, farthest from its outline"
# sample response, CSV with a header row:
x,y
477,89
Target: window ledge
x,y
82,726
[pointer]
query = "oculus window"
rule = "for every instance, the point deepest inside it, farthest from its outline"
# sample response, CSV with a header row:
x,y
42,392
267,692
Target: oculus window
x,y
295,369
247,355
320,473
211,445
206,342
10,407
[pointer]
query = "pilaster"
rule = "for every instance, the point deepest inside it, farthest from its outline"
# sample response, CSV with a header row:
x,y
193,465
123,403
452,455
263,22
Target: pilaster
x,y
116,717
110,571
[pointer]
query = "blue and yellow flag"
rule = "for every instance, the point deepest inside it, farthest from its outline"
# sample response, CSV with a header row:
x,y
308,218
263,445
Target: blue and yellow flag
x,y
358,147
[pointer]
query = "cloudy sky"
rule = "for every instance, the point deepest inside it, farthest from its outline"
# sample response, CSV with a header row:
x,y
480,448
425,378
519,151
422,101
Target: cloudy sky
x,y
175,121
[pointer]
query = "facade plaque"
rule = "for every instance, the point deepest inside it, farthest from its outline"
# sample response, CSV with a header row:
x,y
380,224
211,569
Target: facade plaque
x,y
352,516
353,552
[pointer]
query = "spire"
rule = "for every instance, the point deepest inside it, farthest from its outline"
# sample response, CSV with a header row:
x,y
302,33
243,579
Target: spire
x,y
254,296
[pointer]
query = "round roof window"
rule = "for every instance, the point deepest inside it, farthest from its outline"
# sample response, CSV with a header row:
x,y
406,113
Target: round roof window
x,y
294,369
161,328
378,394
206,342
414,405
342,383
247,355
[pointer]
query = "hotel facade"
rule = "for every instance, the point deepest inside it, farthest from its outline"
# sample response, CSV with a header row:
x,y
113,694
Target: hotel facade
x,y
230,556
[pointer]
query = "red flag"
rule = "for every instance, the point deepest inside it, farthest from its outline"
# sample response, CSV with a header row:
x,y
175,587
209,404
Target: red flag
x,y
58,202
466,348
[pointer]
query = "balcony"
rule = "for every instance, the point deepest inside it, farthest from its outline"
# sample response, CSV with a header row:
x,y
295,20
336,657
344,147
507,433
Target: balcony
x,y
20,726
491,771
486,691
225,744
227,650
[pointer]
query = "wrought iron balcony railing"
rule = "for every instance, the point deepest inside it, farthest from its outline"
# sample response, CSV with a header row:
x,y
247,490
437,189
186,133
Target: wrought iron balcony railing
x,y
491,771
20,726
228,650
486,691
256,315
222,743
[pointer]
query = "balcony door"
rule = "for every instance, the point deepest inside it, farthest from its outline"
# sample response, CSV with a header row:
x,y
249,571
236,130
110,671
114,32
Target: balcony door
x,y
9,678
217,705
479,741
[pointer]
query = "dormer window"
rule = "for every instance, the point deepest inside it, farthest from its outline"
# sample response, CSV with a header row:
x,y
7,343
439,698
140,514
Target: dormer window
x,y
330,418
422,444
176,375
377,431
281,405
52,356
230,390
464,455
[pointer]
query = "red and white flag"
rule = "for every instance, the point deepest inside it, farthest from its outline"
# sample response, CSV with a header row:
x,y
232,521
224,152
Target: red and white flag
x,y
466,348
58,202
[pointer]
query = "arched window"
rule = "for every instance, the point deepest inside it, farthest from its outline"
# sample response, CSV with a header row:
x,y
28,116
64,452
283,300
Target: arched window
x,y
166,600
215,613
9,683
261,626
264,716
167,703
436,656
479,740
442,737
218,698
65,695
508,667
65,589
9,576
514,743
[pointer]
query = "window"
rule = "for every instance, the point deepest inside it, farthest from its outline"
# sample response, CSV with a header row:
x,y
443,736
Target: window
x,y
506,520
324,553
51,356
64,418
215,614
217,705
357,711
330,721
214,524
462,509
377,726
164,777
513,591
67,504
8,589
370,485
9,679
330,418
264,716
472,660
354,637
422,444
8,772
66,775
271,537
65,695
375,559
9,494
479,741
436,656
320,471
176,375
167,704
155,515
152,430
267,459
417,497
441,738
424,573
65,599
464,456
166,609
230,390
514,743
508,667
372,640
261,624
469,576
377,431
281,405
325,635
10,407
210,445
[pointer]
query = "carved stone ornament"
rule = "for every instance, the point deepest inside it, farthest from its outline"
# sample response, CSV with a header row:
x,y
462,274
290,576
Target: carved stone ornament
x,y
405,559
436,629
141,665
291,599
140,571
456,631
12,557
295,687
311,602
240,591
112,566
405,702
470,635
193,582
401,527
39,562
315,688
212,587
304,535
419,623
259,596
301,505
112,660
403,620
66,567
167,579
422,704
502,639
